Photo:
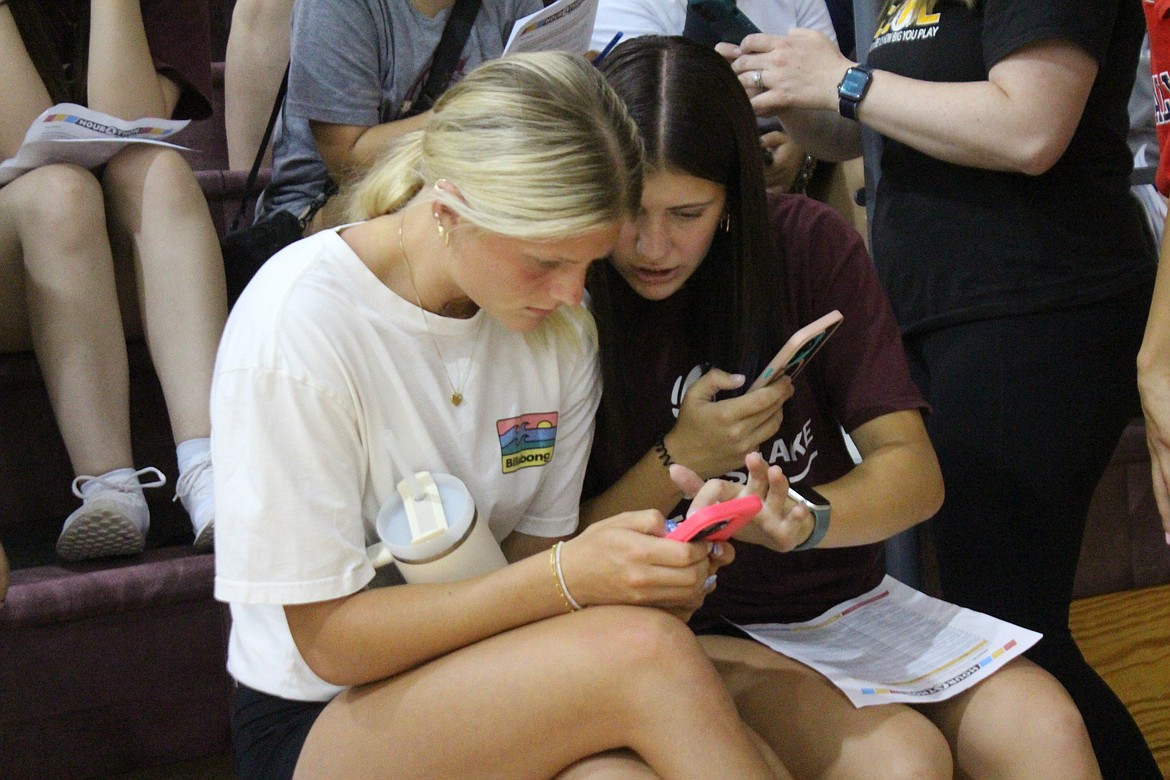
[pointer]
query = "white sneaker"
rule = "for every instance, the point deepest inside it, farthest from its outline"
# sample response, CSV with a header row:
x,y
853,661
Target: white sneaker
x,y
111,520
195,490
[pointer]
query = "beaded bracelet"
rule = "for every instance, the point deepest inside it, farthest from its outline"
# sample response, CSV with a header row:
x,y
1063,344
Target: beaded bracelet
x,y
554,564
804,175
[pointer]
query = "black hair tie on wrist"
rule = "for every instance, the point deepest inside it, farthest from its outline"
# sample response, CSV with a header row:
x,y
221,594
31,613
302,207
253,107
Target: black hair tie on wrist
x,y
662,452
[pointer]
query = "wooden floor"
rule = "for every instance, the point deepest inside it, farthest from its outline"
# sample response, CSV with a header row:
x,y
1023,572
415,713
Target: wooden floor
x,y
1126,637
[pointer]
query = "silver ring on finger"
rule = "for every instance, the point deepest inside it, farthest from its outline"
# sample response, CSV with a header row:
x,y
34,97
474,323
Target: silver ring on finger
x,y
758,80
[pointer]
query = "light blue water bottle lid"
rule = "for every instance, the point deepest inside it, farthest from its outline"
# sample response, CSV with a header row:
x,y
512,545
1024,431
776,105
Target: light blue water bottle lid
x,y
394,529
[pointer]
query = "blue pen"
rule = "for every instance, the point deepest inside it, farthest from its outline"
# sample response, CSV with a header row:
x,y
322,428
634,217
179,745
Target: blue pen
x,y
608,48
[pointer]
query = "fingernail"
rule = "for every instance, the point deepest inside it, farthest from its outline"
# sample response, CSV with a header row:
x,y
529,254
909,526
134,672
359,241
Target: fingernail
x,y
1168,538
717,549
738,378
710,583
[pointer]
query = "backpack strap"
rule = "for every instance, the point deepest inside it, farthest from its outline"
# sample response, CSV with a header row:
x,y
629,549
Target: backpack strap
x,y
446,56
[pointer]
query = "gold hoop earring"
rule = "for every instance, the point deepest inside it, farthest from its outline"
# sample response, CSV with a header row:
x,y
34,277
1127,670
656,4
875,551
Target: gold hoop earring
x,y
725,222
442,231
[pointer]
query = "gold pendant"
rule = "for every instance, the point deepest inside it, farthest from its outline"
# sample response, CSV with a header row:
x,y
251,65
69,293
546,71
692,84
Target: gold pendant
x,y
456,398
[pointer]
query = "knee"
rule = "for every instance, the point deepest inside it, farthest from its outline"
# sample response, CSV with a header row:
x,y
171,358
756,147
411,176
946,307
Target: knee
x,y
1052,726
653,646
931,761
143,173
920,753
64,201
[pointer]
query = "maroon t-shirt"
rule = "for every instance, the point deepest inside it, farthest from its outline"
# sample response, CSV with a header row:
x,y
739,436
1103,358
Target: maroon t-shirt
x,y
859,374
179,35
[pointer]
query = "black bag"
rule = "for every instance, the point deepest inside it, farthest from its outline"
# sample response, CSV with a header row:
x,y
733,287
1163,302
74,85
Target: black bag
x,y
246,248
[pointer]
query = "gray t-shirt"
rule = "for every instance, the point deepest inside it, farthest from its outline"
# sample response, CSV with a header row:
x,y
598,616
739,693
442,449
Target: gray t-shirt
x,y
354,62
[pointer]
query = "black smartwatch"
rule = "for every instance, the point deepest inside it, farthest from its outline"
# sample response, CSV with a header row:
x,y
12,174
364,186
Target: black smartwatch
x,y
850,92
819,506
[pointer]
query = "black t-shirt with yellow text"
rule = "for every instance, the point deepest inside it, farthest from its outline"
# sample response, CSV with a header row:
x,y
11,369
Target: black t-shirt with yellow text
x,y
954,243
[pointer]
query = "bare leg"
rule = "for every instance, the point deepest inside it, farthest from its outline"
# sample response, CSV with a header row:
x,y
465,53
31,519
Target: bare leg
x,y
612,765
1018,723
159,219
58,297
257,53
628,765
530,702
814,728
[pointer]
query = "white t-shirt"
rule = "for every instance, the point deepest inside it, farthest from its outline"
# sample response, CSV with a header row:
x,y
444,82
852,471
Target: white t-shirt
x,y
319,363
668,17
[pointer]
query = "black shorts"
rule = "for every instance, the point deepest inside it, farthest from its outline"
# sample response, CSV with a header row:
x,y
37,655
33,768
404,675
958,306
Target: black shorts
x,y
268,733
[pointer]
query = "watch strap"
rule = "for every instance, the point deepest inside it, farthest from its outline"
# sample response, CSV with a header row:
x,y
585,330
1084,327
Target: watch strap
x,y
847,107
820,528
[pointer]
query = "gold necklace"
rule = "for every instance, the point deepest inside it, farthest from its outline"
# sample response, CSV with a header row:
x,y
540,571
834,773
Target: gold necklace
x,y
456,391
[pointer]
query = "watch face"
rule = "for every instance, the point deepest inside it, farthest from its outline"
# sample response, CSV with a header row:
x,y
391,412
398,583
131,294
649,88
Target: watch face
x,y
854,83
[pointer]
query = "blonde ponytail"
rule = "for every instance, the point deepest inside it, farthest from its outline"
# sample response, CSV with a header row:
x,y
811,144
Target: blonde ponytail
x,y
391,182
537,146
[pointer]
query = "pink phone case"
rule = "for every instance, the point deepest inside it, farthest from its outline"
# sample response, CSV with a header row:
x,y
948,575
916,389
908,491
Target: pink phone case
x,y
717,522
799,349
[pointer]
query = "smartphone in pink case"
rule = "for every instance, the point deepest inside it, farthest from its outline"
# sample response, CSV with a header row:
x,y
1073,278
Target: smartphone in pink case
x,y
799,349
717,523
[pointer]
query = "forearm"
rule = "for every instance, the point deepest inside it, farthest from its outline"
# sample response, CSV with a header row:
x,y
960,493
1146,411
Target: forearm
x,y
975,124
375,634
24,95
646,485
372,143
710,437
1021,118
1153,362
825,135
121,77
346,148
897,485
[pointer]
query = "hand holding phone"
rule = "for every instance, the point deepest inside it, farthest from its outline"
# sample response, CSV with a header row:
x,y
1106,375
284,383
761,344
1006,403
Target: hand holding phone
x,y
716,21
799,349
717,522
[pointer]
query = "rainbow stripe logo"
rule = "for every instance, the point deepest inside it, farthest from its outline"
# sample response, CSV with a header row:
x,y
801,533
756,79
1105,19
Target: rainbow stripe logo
x,y
527,440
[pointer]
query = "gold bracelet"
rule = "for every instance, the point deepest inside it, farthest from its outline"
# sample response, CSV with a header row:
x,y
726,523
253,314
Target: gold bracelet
x,y
552,567
561,579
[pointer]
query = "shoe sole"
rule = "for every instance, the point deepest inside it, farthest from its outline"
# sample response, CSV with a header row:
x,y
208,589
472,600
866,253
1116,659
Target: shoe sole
x,y
101,533
205,541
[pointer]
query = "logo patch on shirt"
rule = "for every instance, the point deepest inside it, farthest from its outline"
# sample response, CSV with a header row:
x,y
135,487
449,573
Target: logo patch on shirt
x,y
527,440
906,20
1161,97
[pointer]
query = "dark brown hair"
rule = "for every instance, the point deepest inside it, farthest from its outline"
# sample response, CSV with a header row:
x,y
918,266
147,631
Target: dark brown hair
x,y
695,118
